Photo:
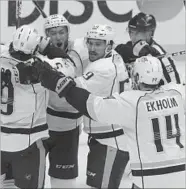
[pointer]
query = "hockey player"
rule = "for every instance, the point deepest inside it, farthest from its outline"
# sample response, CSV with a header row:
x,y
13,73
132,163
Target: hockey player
x,y
141,29
64,120
152,117
23,114
102,76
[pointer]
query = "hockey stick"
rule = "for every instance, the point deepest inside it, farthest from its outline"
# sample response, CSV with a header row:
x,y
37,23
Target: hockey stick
x,y
39,9
18,13
179,53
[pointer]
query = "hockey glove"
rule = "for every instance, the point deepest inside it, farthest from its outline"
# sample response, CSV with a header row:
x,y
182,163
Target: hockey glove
x,y
5,78
142,48
51,79
25,74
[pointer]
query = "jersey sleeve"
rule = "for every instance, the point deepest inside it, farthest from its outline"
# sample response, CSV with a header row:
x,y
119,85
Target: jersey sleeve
x,y
168,64
78,62
112,110
95,81
181,88
79,53
122,73
116,109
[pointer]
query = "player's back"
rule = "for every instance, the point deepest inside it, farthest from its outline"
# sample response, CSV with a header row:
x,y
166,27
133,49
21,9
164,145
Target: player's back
x,y
23,109
157,141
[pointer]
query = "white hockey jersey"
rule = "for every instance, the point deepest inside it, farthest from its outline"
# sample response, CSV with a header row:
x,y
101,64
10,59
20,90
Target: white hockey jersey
x,y
102,78
23,109
154,125
61,116
4,48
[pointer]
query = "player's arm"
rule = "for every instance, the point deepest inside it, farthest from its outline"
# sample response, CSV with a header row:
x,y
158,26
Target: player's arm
x,y
77,60
141,48
94,81
97,108
122,73
181,89
49,50
106,110
125,50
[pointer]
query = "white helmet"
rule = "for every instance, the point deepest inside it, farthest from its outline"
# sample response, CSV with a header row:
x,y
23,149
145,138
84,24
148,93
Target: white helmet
x,y
56,20
102,32
148,70
26,40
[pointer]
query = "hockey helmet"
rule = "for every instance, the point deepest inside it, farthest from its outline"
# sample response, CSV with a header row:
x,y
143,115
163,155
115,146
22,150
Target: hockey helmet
x,y
26,40
56,20
142,22
147,70
102,32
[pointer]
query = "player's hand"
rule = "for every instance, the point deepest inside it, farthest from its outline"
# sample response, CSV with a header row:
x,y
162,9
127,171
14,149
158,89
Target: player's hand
x,y
5,77
26,72
51,79
142,48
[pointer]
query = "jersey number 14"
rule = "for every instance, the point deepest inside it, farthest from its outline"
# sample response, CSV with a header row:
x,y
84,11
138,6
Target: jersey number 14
x,y
170,135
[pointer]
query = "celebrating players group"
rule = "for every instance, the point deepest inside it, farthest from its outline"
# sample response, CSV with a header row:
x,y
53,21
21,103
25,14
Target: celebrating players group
x,y
130,103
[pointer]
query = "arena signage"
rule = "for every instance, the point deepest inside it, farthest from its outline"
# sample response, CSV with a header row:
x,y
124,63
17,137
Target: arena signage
x,y
82,14
73,19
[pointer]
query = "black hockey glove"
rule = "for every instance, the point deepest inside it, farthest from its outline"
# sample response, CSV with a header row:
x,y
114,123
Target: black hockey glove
x,y
51,79
26,75
142,48
5,78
